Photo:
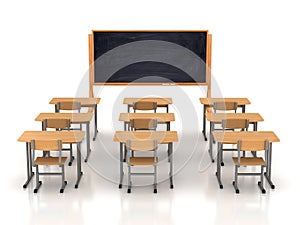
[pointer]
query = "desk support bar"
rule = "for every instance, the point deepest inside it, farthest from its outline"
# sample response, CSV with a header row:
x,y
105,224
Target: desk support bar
x,y
121,165
96,126
79,172
170,150
88,144
30,174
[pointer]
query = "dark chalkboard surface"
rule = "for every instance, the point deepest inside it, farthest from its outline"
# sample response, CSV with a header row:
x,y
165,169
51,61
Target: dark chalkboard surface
x,y
150,57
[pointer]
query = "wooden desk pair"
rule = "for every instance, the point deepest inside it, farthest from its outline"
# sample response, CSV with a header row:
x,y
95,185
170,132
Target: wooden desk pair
x,y
75,118
216,118
162,118
162,137
161,102
209,102
85,102
66,137
232,137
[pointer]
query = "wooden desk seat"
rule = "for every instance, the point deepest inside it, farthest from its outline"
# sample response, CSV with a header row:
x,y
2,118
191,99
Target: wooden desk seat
x,y
249,161
49,161
142,161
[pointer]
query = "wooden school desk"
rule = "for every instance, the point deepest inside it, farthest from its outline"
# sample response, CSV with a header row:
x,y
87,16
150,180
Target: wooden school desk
x,y
232,137
75,118
162,118
208,102
66,137
216,118
85,102
161,102
162,137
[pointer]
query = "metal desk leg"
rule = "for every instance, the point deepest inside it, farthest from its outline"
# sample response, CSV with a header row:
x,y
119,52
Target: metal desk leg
x,y
268,169
218,173
168,129
167,108
30,174
128,108
96,126
125,126
121,166
211,141
79,172
204,122
88,141
243,108
254,129
170,149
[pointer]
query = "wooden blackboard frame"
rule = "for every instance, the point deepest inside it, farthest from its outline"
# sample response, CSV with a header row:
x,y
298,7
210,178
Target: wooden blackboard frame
x,y
92,82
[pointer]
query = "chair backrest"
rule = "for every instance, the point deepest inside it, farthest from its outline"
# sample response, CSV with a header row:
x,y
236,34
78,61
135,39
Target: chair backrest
x,y
144,105
253,145
46,145
235,124
141,145
225,106
143,124
68,105
56,123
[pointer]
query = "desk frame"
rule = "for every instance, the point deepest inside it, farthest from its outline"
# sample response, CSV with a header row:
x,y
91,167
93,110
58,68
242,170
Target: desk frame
x,y
56,115
84,103
271,137
238,116
170,157
242,102
30,173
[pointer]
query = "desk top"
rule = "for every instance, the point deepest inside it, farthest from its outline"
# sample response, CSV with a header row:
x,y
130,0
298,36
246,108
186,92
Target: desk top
x,y
85,102
162,137
210,101
73,117
218,117
232,137
159,101
65,136
161,117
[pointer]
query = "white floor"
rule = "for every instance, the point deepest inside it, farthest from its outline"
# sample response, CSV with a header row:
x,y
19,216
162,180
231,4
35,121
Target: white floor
x,y
196,197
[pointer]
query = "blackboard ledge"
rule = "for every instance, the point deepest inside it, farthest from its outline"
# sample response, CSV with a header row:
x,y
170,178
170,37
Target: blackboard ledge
x,y
150,84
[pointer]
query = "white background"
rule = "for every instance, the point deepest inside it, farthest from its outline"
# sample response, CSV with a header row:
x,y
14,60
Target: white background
x,y
44,53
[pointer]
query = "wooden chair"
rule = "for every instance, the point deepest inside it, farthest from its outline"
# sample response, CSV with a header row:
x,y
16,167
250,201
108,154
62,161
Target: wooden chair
x,y
233,124
224,106
73,106
143,124
60,124
142,146
144,105
68,105
250,161
48,145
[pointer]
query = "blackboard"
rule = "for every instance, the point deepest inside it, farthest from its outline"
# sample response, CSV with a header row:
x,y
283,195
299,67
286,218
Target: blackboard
x,y
149,57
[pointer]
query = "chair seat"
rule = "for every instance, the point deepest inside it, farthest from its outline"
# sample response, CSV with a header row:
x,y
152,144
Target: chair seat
x,y
49,161
142,161
249,161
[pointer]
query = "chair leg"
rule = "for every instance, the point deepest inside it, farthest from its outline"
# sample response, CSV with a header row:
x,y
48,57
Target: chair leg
x,y
155,178
235,182
221,156
38,182
261,182
71,155
129,179
63,181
